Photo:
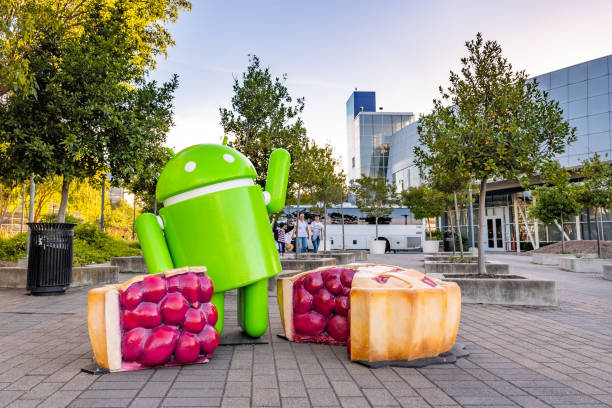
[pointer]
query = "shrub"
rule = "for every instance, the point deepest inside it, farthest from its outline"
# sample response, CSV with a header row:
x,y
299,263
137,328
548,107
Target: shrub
x,y
14,248
53,218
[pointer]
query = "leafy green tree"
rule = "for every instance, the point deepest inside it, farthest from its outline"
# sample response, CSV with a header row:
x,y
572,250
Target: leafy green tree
x,y
493,123
425,202
329,183
374,196
596,189
24,22
93,111
143,184
555,201
264,117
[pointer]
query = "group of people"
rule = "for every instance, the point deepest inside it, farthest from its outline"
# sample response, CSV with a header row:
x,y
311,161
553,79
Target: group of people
x,y
315,231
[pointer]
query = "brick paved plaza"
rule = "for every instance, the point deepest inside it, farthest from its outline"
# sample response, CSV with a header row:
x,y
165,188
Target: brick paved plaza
x,y
519,356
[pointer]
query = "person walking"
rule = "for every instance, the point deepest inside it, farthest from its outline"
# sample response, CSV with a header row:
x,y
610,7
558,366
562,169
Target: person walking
x,y
303,233
318,230
281,239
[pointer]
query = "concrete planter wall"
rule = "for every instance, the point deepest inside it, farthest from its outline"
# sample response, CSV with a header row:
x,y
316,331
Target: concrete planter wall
x,y
431,247
525,292
361,254
459,267
16,277
305,264
134,264
342,258
554,259
607,272
445,258
377,247
584,265
272,282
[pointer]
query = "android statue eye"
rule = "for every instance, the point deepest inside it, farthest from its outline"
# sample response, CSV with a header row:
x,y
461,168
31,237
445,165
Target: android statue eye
x,y
228,158
190,166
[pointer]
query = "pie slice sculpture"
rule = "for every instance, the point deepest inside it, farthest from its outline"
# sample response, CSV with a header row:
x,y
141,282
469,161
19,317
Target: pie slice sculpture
x,y
381,312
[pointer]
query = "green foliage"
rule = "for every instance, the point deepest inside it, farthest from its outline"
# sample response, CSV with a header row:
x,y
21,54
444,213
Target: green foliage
x,y
24,23
554,203
374,197
490,123
53,218
14,248
436,235
596,188
424,201
264,117
328,184
93,246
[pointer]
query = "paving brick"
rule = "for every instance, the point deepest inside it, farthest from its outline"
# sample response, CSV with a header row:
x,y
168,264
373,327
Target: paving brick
x,y
266,397
354,402
323,398
145,402
380,397
295,403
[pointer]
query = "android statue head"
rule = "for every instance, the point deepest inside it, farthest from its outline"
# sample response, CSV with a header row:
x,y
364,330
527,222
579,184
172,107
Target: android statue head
x,y
202,165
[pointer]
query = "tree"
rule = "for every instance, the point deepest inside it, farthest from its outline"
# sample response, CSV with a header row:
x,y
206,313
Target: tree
x,y
329,182
596,189
24,22
493,123
555,201
374,197
264,117
93,112
425,202
143,184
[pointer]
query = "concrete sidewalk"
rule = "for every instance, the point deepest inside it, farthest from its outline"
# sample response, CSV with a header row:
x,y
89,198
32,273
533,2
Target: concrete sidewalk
x,y
519,357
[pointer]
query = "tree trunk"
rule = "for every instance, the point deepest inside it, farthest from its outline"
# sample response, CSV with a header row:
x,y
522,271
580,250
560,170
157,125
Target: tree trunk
x,y
597,223
342,214
450,220
61,214
481,226
458,224
562,236
297,222
376,228
588,214
324,235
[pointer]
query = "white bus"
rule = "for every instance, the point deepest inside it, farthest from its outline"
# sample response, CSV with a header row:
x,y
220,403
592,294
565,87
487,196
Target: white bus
x,y
400,230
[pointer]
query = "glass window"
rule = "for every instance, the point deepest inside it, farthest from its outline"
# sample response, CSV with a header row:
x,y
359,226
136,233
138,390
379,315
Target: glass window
x,y
578,91
599,142
543,82
598,86
565,108
558,78
598,67
578,73
397,123
387,125
599,123
559,94
580,124
577,108
598,104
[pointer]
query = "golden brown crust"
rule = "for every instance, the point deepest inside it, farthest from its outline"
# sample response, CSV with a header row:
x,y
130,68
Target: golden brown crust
x,y
96,323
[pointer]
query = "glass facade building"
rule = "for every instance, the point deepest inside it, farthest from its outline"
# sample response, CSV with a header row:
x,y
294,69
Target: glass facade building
x,y
370,135
584,92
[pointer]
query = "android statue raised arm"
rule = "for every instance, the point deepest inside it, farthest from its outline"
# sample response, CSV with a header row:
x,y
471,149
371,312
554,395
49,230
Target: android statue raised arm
x,y
215,215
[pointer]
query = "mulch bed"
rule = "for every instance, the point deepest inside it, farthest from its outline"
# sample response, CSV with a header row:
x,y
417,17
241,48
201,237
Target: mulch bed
x,y
575,247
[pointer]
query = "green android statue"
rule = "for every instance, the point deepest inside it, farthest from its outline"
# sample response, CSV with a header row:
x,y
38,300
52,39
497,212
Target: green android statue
x,y
215,215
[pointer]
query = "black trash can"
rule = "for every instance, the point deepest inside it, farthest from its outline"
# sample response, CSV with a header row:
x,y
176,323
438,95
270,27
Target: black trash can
x,y
449,242
50,257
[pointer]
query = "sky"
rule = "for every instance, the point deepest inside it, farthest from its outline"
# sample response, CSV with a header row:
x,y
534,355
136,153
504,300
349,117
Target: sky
x,y
403,50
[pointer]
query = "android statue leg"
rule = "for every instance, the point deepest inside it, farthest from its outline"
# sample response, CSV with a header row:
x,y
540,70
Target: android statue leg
x,y
218,300
253,308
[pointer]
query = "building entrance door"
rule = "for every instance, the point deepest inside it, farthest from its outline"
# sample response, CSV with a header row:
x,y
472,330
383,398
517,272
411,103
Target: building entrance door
x,y
495,233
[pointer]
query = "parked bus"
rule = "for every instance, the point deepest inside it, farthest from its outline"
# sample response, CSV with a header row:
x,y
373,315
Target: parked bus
x,y
400,230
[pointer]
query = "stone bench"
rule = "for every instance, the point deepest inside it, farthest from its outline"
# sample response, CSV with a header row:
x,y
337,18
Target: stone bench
x,y
555,259
16,276
491,267
607,272
360,254
342,258
584,265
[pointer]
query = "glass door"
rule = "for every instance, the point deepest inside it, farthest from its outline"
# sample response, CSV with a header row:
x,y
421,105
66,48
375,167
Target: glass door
x,y
495,233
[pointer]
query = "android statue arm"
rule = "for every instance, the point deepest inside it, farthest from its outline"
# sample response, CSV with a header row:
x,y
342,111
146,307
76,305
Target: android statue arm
x,y
253,298
153,243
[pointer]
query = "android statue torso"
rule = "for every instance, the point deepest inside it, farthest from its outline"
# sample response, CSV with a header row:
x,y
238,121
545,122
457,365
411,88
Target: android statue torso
x,y
228,231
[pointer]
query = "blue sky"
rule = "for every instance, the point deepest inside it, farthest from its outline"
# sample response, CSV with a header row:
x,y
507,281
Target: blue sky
x,y
403,50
